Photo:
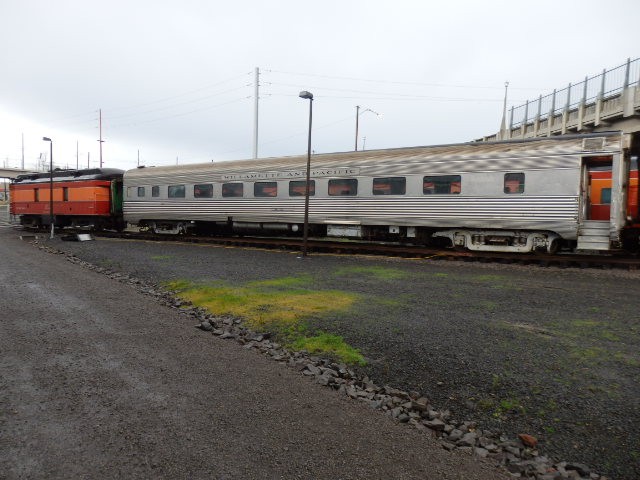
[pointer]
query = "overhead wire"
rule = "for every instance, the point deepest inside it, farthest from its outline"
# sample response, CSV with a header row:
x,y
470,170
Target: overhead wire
x,y
189,92
179,104
396,82
180,114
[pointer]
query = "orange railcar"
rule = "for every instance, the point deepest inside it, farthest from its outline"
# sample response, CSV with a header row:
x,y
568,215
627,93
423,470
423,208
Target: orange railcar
x,y
81,198
600,195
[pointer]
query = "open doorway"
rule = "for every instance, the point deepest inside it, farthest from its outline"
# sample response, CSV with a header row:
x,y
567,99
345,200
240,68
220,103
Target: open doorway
x,y
597,184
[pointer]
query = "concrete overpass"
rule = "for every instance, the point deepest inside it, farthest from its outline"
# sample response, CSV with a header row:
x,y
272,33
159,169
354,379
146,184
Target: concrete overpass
x,y
12,172
608,101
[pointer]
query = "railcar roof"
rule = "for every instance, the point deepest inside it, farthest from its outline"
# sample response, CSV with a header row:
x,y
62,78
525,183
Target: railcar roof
x,y
71,175
559,145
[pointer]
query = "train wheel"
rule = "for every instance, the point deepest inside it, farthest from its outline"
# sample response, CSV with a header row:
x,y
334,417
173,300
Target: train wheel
x,y
554,246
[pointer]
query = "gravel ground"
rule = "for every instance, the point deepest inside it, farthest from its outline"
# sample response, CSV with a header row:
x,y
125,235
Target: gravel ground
x,y
100,381
543,351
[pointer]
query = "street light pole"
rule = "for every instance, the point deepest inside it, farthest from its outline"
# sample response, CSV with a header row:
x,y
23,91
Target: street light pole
x,y
305,232
357,116
46,139
358,113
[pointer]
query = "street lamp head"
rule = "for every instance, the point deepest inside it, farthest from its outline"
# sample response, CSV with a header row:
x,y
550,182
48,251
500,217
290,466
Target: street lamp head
x,y
305,94
46,139
379,115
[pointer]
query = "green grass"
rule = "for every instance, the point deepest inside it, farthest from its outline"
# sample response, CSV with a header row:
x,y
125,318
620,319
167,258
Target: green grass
x,y
332,344
379,273
161,257
281,305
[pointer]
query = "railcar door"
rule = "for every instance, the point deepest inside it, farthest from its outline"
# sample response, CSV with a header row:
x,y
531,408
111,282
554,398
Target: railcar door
x,y
597,183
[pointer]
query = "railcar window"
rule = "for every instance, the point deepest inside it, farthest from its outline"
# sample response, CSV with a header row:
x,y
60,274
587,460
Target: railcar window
x,y
442,184
265,189
605,196
141,191
65,194
297,188
203,191
343,187
390,186
232,189
155,191
514,183
36,195
176,191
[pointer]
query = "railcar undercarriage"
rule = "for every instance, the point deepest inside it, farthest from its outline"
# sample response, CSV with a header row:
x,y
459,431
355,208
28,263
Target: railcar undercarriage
x,y
471,239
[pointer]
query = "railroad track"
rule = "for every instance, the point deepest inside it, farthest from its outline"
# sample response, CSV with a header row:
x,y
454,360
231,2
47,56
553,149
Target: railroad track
x,y
563,260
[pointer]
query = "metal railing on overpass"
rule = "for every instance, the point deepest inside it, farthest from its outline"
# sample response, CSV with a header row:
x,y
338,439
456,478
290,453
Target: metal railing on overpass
x,y
597,101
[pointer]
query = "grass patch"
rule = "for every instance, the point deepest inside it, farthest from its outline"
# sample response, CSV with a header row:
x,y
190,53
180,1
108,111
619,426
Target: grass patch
x,y
589,355
161,257
508,405
333,344
281,305
379,273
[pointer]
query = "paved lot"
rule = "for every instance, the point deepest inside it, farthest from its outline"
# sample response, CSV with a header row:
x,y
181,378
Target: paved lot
x,y
99,381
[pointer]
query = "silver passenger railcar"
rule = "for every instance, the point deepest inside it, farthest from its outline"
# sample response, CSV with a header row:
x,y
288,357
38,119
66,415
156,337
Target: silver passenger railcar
x,y
503,196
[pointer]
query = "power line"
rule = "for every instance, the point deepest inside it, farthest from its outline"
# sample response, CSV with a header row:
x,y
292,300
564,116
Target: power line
x,y
396,82
403,97
178,104
182,94
179,114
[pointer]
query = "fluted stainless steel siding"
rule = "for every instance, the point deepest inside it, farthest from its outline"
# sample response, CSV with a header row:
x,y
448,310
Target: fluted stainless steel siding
x,y
552,167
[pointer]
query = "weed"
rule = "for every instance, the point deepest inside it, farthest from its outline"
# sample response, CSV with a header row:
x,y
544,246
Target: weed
x,y
486,404
508,405
331,344
279,305
496,381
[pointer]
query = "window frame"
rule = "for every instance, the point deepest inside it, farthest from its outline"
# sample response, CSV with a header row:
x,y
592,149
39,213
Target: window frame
x,y
172,188
521,184
451,182
233,196
260,187
346,181
391,181
303,184
140,189
155,191
207,190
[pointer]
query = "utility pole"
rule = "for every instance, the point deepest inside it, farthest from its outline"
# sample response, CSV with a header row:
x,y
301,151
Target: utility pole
x,y
101,141
22,163
255,112
77,157
138,157
88,153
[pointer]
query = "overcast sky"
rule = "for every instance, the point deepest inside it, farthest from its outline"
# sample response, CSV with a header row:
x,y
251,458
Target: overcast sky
x,y
175,79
